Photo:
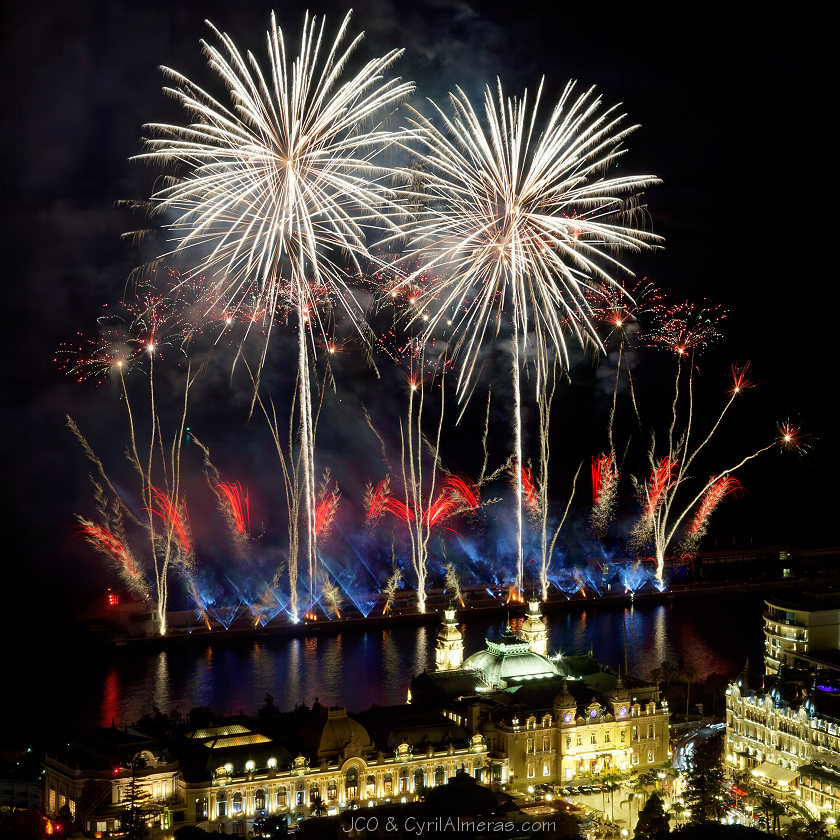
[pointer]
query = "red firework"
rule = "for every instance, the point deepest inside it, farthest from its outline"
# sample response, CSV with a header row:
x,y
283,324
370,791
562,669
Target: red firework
x,y
604,477
529,489
457,495
718,490
177,521
658,484
686,327
325,511
382,501
113,546
739,378
238,503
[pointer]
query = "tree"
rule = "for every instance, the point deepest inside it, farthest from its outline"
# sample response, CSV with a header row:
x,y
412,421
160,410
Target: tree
x,y
665,673
652,823
688,675
705,781
136,803
317,807
611,783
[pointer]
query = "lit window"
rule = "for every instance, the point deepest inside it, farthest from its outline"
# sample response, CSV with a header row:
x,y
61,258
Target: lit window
x,y
530,770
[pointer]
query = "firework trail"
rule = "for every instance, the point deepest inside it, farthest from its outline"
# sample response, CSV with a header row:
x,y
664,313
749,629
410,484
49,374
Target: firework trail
x,y
175,515
113,547
452,584
331,597
391,587
663,505
237,506
521,224
277,182
604,489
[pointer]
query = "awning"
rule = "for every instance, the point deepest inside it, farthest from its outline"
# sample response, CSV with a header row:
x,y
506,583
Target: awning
x,y
772,772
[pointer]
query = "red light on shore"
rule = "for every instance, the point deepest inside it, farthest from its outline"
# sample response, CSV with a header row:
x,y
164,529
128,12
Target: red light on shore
x,y
113,599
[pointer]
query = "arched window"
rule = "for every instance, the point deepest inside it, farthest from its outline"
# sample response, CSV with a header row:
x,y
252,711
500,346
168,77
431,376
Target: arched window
x,y
419,779
282,800
332,789
300,794
389,782
259,800
201,809
404,780
314,792
351,784
237,803
370,785
440,776
221,804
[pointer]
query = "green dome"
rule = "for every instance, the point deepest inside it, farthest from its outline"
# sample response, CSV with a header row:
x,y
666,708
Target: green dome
x,y
510,659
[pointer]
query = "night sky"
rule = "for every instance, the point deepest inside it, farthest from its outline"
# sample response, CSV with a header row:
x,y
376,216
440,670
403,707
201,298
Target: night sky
x,y
733,120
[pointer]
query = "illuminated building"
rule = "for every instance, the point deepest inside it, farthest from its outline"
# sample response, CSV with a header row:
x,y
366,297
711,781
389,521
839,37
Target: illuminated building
x,y
534,630
552,719
778,726
449,649
800,632
99,776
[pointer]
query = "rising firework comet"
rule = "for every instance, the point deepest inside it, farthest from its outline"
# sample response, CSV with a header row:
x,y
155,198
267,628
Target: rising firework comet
x,y
237,508
278,182
115,548
521,224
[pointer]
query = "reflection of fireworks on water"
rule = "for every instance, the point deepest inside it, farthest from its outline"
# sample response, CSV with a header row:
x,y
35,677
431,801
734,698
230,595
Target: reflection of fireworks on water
x,y
604,490
524,222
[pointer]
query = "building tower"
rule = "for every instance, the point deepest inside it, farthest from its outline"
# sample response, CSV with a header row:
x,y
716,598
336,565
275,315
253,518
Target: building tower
x,y
534,630
449,650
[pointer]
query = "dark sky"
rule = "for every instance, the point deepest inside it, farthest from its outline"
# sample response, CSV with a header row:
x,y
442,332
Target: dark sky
x,y
733,119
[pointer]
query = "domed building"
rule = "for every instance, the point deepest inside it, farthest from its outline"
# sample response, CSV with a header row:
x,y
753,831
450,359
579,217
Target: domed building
x,y
552,718
509,660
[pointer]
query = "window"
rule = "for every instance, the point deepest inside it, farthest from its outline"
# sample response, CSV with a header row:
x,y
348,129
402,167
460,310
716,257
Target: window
x,y
370,785
201,809
635,758
607,738
546,768
546,743
623,735
650,730
404,780
419,779
237,803
351,784
579,739
314,793
593,738
282,794
440,776
650,756
635,733
530,747
259,800
389,783
332,790
300,796
237,828
530,769
221,804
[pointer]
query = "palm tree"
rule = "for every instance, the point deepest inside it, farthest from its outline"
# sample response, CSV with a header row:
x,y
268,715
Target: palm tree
x,y
665,673
611,782
317,807
688,675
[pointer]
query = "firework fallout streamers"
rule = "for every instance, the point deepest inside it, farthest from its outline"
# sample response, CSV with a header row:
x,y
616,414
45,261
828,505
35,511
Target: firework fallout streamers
x,y
278,180
452,584
604,489
115,548
521,223
326,505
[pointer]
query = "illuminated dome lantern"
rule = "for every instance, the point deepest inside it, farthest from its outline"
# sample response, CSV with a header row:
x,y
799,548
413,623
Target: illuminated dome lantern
x,y
449,650
509,660
534,630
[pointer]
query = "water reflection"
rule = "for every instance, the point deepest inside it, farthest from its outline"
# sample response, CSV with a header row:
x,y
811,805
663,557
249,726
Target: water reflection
x,y
364,667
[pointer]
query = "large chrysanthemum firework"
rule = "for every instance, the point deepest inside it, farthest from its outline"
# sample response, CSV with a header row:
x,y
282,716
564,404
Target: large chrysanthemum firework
x,y
522,219
281,181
